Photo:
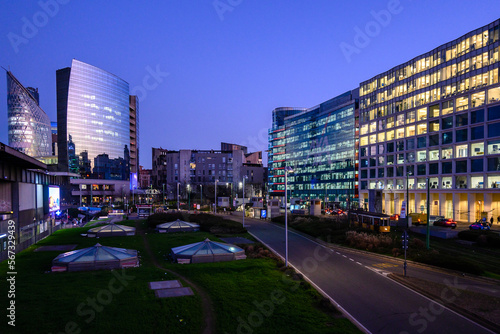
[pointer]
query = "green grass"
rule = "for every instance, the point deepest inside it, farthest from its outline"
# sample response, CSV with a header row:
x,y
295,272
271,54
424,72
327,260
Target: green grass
x,y
46,302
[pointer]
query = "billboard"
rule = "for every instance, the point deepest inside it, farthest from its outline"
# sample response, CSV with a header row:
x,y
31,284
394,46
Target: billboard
x,y
54,203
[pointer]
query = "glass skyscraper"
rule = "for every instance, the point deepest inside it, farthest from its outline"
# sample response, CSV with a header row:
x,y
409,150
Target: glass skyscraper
x,y
319,144
29,126
93,120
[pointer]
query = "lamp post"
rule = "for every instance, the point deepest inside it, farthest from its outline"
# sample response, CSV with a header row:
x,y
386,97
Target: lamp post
x,y
178,185
244,178
189,196
215,204
287,170
163,194
201,195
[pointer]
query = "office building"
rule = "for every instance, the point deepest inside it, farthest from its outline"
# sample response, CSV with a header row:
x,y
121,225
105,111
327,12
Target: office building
x,y
29,197
28,126
204,167
435,120
319,145
96,123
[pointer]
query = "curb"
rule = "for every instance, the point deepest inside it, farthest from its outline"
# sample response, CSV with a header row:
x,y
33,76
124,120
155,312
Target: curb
x,y
467,314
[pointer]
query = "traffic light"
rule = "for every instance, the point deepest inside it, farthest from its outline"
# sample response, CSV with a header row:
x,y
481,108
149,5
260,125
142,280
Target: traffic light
x,y
405,239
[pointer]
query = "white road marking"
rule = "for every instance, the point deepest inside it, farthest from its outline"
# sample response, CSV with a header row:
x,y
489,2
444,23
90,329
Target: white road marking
x,y
359,263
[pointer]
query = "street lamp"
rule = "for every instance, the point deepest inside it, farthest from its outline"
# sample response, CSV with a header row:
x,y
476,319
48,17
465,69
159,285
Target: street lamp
x,y
178,184
163,194
287,170
201,195
215,204
189,196
244,178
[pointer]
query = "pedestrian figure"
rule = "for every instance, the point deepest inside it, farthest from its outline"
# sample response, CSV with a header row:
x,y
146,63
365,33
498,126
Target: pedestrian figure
x,y
491,221
498,219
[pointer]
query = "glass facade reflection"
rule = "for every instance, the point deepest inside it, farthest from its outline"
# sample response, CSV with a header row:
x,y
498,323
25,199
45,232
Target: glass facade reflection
x,y
93,122
29,126
319,144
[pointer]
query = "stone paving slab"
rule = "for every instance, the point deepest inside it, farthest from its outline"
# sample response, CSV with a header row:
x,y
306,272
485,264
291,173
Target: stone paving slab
x,y
237,240
175,292
165,285
59,248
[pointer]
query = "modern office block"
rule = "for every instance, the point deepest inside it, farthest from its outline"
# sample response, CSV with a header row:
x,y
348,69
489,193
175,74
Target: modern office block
x,y
28,125
97,129
319,144
435,120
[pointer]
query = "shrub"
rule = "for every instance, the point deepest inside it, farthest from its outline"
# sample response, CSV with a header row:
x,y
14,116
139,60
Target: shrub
x,y
368,241
417,243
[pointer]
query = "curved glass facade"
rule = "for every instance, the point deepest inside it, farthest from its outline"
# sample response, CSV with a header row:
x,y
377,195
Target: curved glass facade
x,y
93,106
29,126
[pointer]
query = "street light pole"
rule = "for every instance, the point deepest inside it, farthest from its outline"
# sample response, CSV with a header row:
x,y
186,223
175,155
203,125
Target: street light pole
x,y
178,184
163,194
189,196
287,169
201,195
215,204
244,177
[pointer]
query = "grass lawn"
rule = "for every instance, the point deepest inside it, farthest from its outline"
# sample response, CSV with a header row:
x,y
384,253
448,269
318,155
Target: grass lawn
x,y
250,292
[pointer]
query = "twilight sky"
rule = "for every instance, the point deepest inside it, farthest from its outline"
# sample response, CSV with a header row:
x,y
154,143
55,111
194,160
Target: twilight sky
x,y
220,67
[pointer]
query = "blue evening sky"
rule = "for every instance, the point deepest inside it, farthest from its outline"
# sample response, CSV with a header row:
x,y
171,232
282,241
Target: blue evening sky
x,y
229,62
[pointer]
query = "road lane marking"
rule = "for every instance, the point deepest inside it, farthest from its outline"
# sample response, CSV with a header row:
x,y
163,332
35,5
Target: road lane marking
x,y
337,253
344,255
359,263
351,259
385,265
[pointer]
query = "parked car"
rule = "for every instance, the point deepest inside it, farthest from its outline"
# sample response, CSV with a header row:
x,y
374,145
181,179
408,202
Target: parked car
x,y
479,226
445,222
394,217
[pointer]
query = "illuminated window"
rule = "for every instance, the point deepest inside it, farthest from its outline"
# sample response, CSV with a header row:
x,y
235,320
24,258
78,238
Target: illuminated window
x,y
363,129
422,114
381,137
461,151
410,117
400,133
434,155
422,128
421,156
477,149
390,135
477,99
410,131
447,153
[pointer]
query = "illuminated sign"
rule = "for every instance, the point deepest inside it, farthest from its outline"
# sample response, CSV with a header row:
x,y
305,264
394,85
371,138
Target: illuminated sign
x,y
54,203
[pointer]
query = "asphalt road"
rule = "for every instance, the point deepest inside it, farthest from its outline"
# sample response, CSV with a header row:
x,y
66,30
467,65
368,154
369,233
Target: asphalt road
x,y
362,290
